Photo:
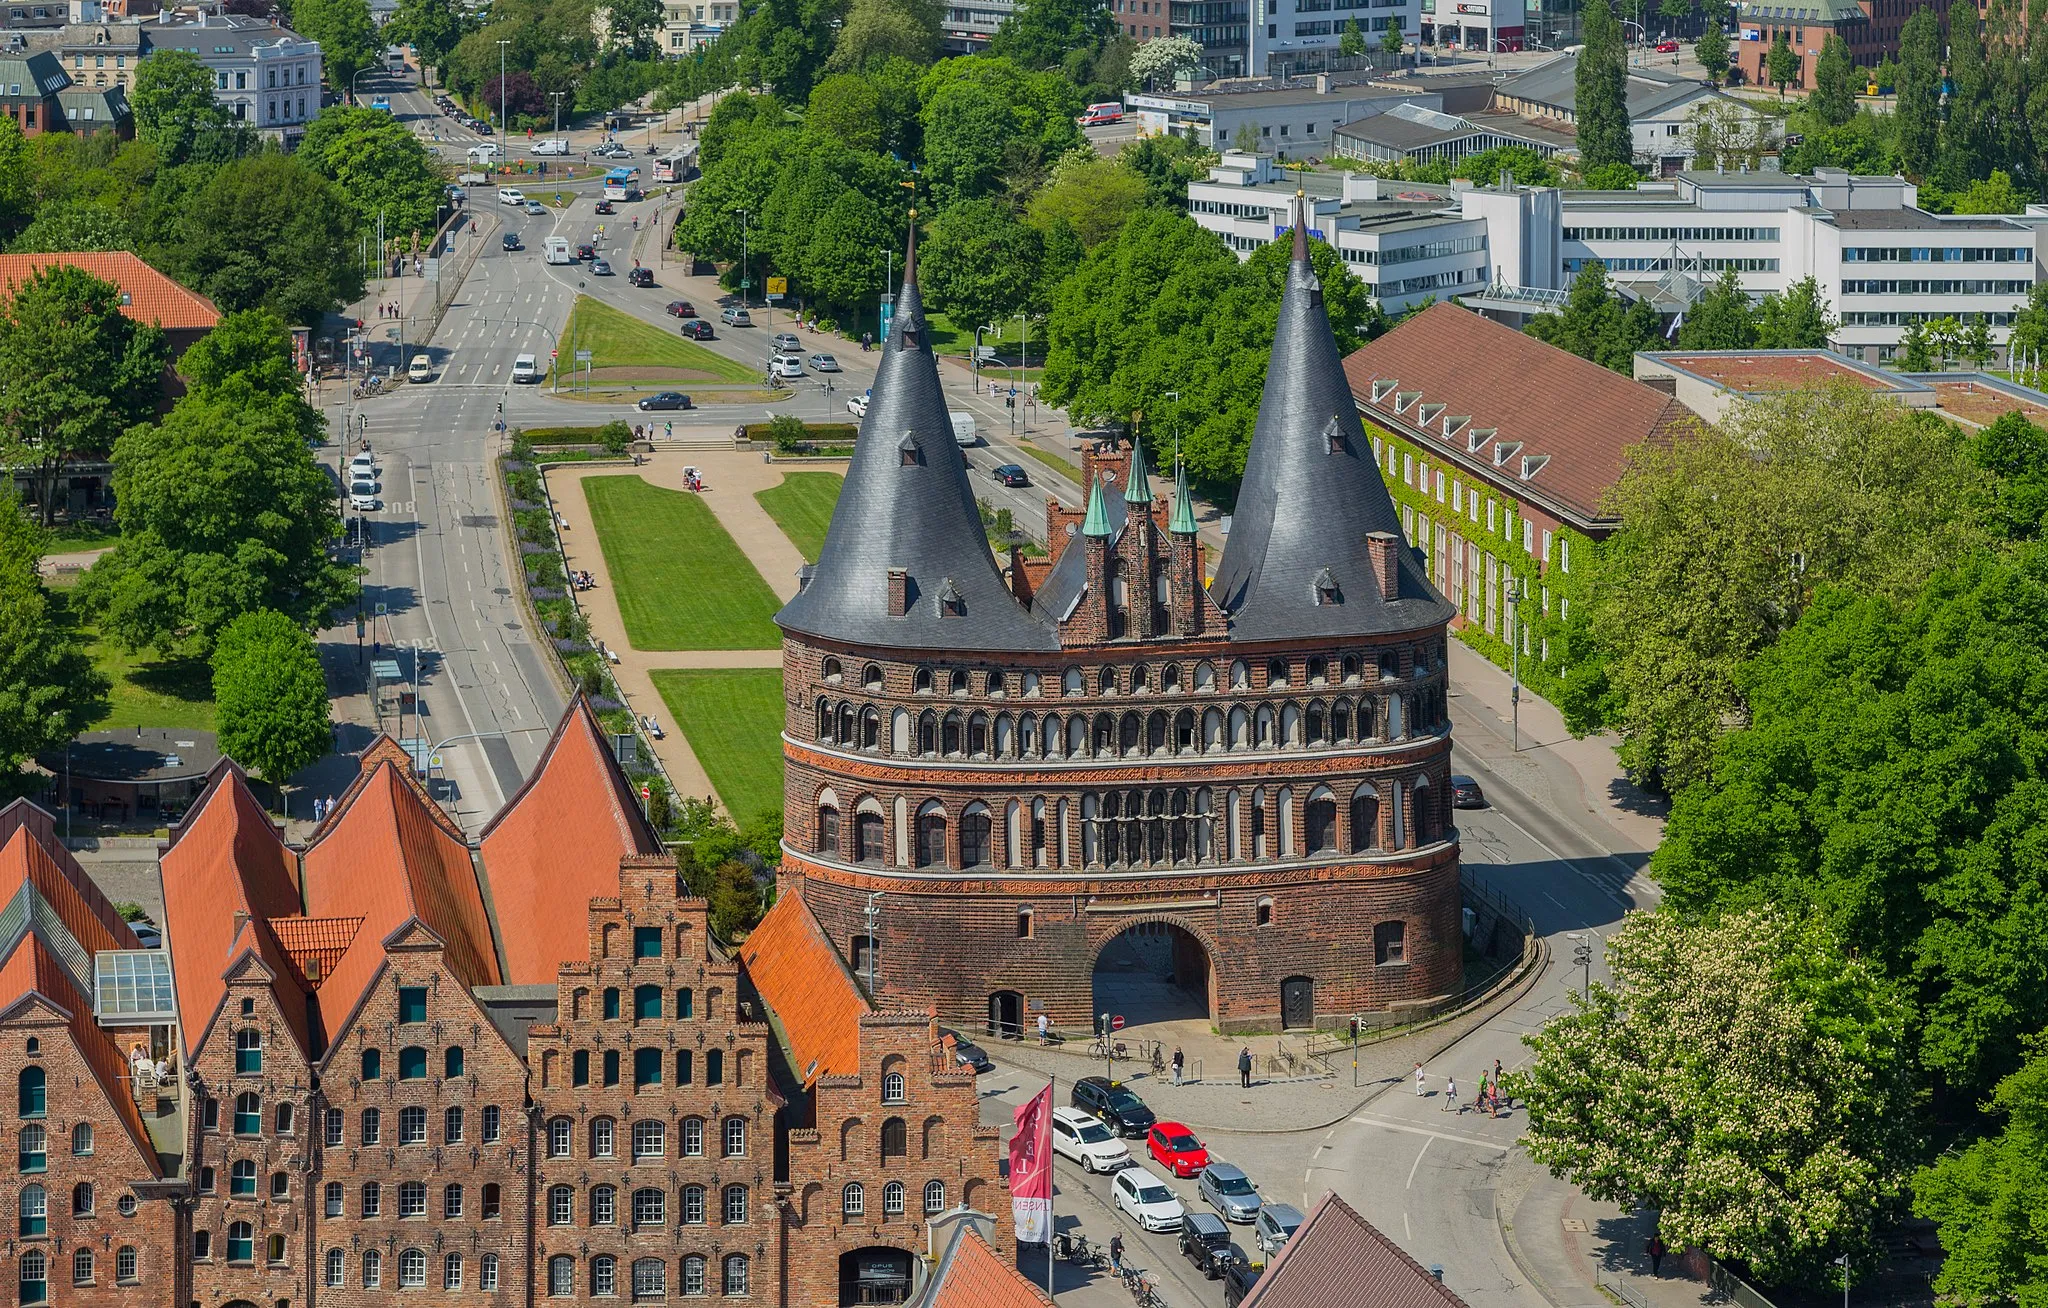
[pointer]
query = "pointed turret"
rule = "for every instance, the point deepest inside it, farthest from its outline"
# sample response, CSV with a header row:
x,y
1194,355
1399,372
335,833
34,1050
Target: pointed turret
x,y
1138,486
1097,522
907,509
1183,520
1299,562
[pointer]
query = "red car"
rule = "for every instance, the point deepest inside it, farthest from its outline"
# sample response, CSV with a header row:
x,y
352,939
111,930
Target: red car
x,y
681,309
1667,47
1175,1148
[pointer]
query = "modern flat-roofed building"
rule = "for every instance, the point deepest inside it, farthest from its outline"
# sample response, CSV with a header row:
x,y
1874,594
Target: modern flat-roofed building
x,y
1659,104
1409,132
1288,119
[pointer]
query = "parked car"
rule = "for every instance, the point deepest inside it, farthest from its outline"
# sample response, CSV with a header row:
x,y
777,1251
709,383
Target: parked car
x,y
511,241
786,343
1087,1141
1465,793
785,365
664,400
605,206
1146,1199
698,330
147,934
823,363
1276,1226
1205,1242
1114,1103
1225,1187
1238,1283
600,268
1010,474
681,309
643,277
1175,1148
533,209
586,251
967,1054
362,496
734,316
858,405
363,465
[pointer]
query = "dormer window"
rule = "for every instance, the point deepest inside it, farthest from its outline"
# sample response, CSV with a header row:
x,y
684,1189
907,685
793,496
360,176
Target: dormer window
x,y
1478,437
952,605
1429,413
1504,451
1333,436
1454,425
1326,590
1382,389
1402,399
1533,464
907,449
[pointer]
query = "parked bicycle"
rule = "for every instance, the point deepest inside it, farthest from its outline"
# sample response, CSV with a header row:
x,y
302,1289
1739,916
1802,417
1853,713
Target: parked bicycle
x,y
1104,1047
1143,1293
1076,1250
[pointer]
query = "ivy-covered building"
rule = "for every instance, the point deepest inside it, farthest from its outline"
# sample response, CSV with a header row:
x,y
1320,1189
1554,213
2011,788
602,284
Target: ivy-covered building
x,y
1498,450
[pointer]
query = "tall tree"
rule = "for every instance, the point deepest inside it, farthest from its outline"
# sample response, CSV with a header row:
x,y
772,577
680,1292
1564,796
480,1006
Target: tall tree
x,y
1093,196
1721,319
1039,34
1780,64
1966,138
1595,323
254,345
1918,112
1835,83
877,31
49,689
1796,318
269,230
1711,49
74,370
1990,1200
431,27
1164,58
347,36
1760,1018
980,264
1601,86
270,696
175,110
1352,43
380,166
991,127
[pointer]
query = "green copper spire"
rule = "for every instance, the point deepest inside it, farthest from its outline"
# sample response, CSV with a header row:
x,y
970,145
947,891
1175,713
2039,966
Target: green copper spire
x,y
1097,523
1183,519
1138,488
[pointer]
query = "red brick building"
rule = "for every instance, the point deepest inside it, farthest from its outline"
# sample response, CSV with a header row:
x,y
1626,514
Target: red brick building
x,y
1238,790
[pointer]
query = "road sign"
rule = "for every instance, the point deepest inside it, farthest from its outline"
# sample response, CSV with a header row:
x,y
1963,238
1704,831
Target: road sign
x,y
433,270
645,792
778,287
583,356
1117,1023
746,285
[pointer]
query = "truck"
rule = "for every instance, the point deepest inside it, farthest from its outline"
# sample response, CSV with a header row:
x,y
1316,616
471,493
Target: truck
x,y
556,250
963,431
552,145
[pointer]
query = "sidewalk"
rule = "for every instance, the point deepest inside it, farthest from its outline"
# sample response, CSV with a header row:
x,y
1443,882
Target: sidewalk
x,y
1579,1253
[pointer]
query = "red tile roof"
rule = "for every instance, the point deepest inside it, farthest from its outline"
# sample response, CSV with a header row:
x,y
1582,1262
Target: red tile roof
x,y
30,968
557,844
1583,417
314,944
800,976
388,856
24,860
1339,1260
22,814
147,295
225,863
973,1275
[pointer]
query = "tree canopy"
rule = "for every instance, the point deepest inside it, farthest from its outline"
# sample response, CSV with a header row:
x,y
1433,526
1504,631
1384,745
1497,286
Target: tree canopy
x,y
378,165
1595,323
49,689
1990,1200
348,38
270,231
175,110
270,695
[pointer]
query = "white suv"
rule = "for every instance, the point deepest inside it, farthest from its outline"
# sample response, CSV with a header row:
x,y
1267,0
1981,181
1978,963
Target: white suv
x,y
509,196
1087,1141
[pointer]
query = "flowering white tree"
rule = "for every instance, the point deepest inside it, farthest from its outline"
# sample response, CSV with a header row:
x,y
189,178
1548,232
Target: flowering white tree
x,y
1742,1075
1160,58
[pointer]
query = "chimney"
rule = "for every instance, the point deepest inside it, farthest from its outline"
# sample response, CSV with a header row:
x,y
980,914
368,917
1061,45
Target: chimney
x,y
1322,83
1382,548
899,592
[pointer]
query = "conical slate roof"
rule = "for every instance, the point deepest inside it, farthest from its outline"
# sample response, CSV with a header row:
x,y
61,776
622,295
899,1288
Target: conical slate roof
x,y
1311,495
906,504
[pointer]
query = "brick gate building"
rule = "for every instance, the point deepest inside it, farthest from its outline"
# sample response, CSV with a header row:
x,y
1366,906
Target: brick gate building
x,y
1029,764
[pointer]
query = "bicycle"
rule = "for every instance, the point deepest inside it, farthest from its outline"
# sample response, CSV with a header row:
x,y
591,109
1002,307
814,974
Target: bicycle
x,y
1142,1291
1106,1048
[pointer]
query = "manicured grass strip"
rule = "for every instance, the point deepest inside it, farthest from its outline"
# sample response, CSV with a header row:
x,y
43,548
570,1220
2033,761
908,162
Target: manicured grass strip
x,y
681,580
802,507
1053,461
733,719
619,340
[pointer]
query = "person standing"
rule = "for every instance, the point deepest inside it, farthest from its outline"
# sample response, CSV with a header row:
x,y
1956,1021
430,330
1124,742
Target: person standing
x,y
1244,1067
1421,1083
1451,1096
1178,1060
1044,1024
1116,1254
1656,1251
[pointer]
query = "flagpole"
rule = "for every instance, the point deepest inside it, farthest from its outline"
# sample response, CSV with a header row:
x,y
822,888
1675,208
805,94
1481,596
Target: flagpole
x,y
1051,1209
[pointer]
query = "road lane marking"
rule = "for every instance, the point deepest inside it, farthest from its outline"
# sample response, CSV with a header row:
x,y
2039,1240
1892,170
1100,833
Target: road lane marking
x,y
1390,1124
1417,1163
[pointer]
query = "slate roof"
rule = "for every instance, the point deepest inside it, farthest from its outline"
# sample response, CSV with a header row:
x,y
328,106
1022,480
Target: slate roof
x,y
800,976
146,294
1648,91
1337,1259
914,512
1572,419
1311,494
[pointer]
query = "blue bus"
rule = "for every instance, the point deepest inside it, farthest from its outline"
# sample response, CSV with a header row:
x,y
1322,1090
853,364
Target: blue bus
x,y
619,184
382,102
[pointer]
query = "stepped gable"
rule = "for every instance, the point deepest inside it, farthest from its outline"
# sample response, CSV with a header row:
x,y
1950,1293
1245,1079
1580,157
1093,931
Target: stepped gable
x,y
556,845
227,878
20,814
32,969
390,856
1337,1259
1298,564
906,505
800,976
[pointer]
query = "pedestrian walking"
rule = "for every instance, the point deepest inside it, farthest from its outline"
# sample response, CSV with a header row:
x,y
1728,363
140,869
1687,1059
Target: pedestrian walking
x,y
1044,1024
1657,1251
1244,1067
1421,1083
1496,1081
1116,1253
1451,1096
1179,1060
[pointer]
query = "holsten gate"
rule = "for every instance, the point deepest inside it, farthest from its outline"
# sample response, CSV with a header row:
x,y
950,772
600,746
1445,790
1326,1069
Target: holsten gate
x,y
1238,784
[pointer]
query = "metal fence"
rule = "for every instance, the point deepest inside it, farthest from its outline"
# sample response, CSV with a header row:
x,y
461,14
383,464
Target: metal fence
x,y
1618,1287
1726,1282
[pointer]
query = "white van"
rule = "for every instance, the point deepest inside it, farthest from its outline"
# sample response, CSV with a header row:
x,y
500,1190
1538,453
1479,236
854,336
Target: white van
x,y
555,145
556,250
963,431
508,195
526,370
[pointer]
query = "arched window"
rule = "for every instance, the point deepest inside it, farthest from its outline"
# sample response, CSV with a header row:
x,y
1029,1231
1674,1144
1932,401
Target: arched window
x,y
604,1205
1264,911
1365,819
892,1199
931,836
693,1274
241,1242
373,1269
29,1097
451,1271
735,1275
81,1138
81,1199
412,1063
1276,672
1320,820
373,1126
830,669
735,1137
242,1179
81,1267
650,1208
934,1198
412,1269
274,1248
871,676
828,830
35,1210
127,1264
852,1200
561,1205
452,1063
34,1277
892,1087
895,1139
975,829
604,1276
561,1136
373,1064
870,727
921,683
561,1276
487,1272
337,1269
1428,821
248,1113
693,1205
735,1205
248,1051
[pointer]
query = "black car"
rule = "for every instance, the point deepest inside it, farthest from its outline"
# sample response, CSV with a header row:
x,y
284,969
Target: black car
x,y
664,400
641,277
1113,1102
586,251
1465,793
698,330
1205,1242
968,1054
605,206
512,241
1238,1283
1010,475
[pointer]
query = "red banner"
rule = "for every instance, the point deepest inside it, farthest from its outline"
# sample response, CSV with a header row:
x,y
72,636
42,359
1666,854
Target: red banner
x,y
1031,1170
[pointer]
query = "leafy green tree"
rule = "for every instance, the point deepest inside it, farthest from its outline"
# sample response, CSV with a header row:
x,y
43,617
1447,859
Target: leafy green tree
x,y
1918,113
175,111
223,511
2015,452
1721,319
1351,44
430,27
1527,167
270,695
1780,64
1989,1200
1886,75
1612,177
75,226
1164,58
1391,41
1836,81
1796,318
1092,196
1595,323
1993,194
17,201
348,38
784,44
840,267
1968,137
380,166
980,264
1976,344
2029,336
1166,164
1039,33
269,230
1711,49
615,436
73,371
253,345
1760,1018
1914,354
847,108
49,689
990,126
877,31
1601,81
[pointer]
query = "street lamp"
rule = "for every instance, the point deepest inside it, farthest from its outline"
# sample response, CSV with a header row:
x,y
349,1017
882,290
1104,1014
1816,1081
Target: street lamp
x,y
352,82
985,327
558,107
501,92
744,283
1518,593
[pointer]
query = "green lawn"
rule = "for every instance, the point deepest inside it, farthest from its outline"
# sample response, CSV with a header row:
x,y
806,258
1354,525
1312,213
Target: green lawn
x,y
618,340
733,720
1053,461
147,692
681,580
802,507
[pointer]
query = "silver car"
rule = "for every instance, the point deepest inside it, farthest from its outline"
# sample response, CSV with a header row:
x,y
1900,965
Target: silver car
x,y
1226,1188
1276,1226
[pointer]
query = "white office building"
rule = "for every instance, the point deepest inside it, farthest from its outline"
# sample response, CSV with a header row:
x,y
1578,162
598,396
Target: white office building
x,y
268,76
1294,35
